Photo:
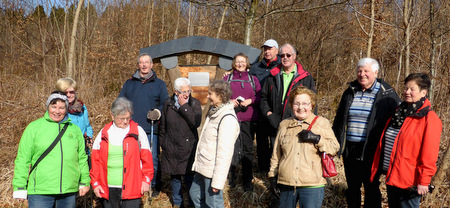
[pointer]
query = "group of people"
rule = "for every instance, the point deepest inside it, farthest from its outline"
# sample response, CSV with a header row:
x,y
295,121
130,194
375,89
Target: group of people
x,y
275,99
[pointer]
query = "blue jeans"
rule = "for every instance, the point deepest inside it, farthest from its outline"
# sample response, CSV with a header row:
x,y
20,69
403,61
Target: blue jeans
x,y
156,181
202,195
56,200
177,189
402,198
306,197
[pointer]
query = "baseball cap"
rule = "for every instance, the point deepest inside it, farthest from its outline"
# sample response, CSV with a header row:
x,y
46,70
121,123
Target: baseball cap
x,y
270,43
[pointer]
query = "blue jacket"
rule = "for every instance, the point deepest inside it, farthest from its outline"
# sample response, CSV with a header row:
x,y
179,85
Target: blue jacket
x,y
82,121
145,95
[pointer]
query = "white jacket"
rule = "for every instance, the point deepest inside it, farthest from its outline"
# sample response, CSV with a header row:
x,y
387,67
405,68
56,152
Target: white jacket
x,y
214,152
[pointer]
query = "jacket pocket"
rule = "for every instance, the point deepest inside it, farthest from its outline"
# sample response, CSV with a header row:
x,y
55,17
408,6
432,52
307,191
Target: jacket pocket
x,y
204,153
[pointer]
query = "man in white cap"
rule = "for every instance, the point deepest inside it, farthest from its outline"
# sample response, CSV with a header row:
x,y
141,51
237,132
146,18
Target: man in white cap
x,y
261,70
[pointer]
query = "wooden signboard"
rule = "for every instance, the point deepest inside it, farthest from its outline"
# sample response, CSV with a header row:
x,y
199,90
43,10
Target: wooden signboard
x,y
198,75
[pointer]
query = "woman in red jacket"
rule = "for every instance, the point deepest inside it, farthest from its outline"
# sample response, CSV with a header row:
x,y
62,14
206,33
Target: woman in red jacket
x,y
122,165
408,150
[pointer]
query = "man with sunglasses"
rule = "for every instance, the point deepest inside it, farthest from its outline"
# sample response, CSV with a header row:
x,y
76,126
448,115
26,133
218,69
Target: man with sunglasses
x,y
261,70
276,89
282,79
148,93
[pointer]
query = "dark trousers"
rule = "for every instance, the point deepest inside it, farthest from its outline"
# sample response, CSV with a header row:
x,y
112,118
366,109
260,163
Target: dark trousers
x,y
263,149
402,198
115,200
357,173
245,142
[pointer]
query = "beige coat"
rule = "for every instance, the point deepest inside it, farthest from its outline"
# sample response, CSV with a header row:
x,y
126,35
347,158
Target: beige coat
x,y
299,164
214,152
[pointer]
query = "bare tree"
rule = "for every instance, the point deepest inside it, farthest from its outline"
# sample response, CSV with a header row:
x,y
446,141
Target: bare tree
x,y
69,69
407,7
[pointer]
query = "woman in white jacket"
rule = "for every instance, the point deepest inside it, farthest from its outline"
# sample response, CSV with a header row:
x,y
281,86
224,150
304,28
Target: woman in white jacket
x,y
215,148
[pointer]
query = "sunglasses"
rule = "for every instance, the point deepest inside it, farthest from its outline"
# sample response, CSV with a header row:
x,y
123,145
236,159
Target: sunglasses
x,y
286,55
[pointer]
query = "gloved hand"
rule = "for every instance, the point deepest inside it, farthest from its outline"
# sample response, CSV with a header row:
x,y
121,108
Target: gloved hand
x,y
308,136
153,114
274,187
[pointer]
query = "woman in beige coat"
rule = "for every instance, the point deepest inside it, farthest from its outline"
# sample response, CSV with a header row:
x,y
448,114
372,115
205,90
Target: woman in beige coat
x,y
296,157
215,148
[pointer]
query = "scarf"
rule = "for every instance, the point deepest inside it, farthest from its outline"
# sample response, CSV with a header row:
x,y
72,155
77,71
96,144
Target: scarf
x,y
214,109
405,110
76,106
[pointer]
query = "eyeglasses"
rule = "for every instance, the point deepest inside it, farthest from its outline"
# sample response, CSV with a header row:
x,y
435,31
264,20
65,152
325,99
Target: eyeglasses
x,y
70,92
298,105
122,119
145,63
185,92
286,55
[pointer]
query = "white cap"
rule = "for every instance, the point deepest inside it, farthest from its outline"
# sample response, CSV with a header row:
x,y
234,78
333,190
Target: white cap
x,y
271,43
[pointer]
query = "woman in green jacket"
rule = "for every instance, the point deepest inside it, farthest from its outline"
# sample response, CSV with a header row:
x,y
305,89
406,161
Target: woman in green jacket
x,y
56,179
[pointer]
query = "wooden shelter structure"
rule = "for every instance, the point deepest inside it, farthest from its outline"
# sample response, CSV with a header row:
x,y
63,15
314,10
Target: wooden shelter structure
x,y
199,75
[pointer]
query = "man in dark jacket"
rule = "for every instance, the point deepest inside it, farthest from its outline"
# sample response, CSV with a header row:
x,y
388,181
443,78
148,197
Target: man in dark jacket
x,y
147,93
261,70
358,126
275,92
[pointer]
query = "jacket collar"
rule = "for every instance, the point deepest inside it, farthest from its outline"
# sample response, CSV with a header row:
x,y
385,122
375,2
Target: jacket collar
x,y
270,64
299,74
227,107
423,111
295,122
355,85
137,76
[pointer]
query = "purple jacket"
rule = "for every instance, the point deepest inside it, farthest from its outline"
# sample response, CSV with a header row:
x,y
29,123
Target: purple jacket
x,y
251,114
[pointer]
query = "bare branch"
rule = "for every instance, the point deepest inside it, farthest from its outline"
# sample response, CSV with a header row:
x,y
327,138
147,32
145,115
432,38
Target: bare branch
x,y
286,10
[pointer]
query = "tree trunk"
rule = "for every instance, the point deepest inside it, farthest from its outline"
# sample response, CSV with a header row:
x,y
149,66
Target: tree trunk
x,y
372,29
150,24
432,50
163,21
249,20
189,28
406,21
265,21
175,35
218,31
69,69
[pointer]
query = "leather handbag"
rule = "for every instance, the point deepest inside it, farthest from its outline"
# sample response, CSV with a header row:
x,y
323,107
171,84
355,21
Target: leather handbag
x,y
328,167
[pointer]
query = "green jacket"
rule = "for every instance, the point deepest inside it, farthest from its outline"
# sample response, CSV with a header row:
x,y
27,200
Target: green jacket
x,y
62,171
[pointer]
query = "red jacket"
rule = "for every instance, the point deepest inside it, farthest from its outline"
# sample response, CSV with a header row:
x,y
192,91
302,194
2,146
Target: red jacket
x,y
415,150
134,154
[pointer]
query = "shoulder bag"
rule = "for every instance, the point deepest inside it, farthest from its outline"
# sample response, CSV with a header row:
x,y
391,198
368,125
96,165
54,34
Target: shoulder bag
x,y
328,167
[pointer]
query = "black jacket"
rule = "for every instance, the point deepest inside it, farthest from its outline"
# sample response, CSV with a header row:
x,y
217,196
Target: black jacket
x,y
178,135
272,94
261,70
386,101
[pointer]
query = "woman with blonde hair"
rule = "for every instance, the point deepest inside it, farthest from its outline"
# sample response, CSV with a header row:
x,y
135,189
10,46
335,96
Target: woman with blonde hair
x,y
296,157
77,110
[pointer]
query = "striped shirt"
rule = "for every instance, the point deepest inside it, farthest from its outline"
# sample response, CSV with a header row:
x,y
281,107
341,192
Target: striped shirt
x,y
389,138
359,113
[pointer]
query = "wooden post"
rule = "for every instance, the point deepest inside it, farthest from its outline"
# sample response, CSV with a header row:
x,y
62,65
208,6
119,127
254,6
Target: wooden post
x,y
174,73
